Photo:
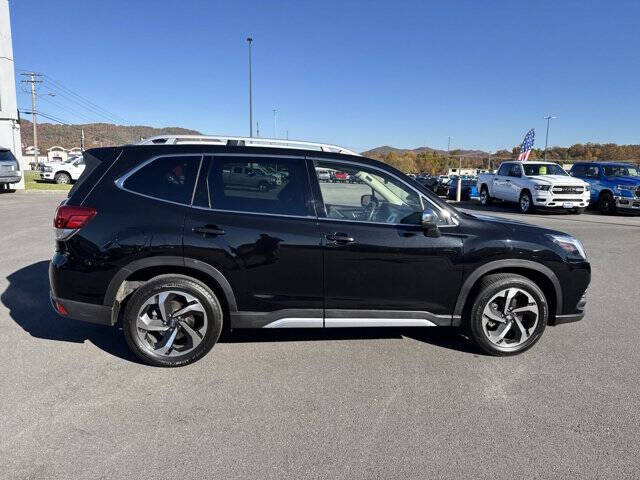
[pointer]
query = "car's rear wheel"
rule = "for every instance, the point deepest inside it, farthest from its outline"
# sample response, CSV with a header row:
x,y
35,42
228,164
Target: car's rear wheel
x,y
62,178
606,203
172,320
526,202
485,198
508,316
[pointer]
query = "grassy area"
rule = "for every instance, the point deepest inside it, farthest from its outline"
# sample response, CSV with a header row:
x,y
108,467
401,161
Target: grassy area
x,y
30,183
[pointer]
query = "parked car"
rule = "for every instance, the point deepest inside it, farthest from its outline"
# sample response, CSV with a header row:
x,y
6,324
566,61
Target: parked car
x,y
249,176
534,185
9,169
62,172
441,188
613,185
324,175
174,257
468,189
341,177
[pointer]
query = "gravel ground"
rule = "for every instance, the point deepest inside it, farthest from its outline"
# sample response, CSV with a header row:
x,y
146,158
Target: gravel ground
x,y
374,403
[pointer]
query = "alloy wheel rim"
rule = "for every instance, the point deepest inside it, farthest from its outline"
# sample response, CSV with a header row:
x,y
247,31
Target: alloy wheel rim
x,y
510,317
171,323
524,203
483,196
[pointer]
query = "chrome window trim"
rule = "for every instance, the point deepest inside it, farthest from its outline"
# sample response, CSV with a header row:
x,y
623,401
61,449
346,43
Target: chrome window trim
x,y
421,195
119,182
242,212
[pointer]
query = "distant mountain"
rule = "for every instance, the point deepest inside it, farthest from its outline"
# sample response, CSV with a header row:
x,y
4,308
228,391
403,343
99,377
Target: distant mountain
x,y
385,150
95,134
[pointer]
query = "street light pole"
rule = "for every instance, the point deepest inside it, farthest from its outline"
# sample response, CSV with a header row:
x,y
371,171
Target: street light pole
x,y
250,41
546,140
275,130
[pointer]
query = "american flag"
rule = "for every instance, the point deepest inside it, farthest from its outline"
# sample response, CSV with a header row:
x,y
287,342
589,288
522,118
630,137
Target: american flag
x,y
527,145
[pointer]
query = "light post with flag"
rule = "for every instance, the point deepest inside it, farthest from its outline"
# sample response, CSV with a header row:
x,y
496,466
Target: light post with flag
x,y
527,145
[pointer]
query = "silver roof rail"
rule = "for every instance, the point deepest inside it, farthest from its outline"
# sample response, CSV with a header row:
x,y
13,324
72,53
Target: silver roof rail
x,y
243,141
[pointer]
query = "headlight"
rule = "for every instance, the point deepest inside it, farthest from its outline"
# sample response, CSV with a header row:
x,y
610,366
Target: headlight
x,y
569,244
542,187
47,169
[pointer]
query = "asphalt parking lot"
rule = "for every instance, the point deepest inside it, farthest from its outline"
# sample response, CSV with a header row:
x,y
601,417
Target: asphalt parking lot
x,y
373,403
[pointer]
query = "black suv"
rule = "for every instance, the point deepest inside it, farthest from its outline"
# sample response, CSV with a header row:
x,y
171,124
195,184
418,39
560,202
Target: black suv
x,y
157,238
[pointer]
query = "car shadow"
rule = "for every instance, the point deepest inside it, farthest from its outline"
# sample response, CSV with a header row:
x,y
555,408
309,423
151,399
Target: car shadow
x,y
27,299
444,337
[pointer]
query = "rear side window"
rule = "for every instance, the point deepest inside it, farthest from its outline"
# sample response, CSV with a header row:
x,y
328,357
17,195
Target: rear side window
x,y
579,171
166,178
276,185
504,169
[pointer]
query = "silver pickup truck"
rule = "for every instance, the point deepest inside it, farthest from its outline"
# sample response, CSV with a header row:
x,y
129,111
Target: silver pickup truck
x,y
9,169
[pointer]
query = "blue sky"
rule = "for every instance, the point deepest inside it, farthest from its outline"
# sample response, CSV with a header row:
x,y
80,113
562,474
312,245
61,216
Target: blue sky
x,y
359,74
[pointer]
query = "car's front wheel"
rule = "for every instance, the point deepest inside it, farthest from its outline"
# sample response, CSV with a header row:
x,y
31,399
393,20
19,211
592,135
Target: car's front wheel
x,y
485,198
508,316
62,178
526,202
172,320
606,203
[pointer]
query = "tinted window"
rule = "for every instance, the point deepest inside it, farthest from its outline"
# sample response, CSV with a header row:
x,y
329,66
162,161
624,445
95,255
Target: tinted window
x,y
6,155
620,171
579,170
167,178
368,195
258,185
515,171
504,169
543,169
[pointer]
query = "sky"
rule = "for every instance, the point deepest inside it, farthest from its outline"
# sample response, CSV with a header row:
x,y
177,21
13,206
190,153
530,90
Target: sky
x,y
355,73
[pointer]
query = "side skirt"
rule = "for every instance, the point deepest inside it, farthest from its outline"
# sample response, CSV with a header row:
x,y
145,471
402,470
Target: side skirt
x,y
316,318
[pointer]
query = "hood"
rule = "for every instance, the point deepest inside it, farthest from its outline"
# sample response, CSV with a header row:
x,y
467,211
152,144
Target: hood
x,y
557,179
514,225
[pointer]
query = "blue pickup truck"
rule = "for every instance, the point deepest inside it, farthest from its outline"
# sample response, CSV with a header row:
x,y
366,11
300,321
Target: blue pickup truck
x,y
613,185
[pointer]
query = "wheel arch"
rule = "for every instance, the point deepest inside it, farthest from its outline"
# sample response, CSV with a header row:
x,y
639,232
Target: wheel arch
x,y
136,273
540,274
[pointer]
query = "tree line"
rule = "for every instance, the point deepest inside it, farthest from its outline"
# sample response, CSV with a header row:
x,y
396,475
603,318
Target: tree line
x,y
434,162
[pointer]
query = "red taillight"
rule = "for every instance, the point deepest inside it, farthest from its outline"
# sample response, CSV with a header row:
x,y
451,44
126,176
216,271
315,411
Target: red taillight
x,y
61,310
69,217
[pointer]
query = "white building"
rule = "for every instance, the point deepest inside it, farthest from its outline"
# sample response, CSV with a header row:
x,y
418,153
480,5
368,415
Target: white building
x,y
9,126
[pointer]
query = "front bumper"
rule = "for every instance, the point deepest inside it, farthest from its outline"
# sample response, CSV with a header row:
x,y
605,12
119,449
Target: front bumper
x,y
573,317
548,199
11,179
631,203
85,312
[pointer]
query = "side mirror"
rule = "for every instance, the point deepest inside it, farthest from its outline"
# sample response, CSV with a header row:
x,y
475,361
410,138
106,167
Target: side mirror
x,y
429,222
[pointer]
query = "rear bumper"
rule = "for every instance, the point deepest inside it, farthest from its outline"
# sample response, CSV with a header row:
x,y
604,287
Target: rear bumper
x,y
85,312
11,179
575,316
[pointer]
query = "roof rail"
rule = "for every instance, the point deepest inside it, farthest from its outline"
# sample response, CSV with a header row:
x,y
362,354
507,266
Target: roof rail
x,y
243,141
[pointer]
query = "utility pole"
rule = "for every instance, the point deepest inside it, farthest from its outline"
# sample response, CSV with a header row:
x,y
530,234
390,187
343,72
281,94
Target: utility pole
x,y
275,130
546,140
258,129
82,140
32,80
250,40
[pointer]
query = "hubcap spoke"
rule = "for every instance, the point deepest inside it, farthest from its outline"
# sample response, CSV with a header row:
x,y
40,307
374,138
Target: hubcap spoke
x,y
501,331
508,298
192,307
195,336
489,314
161,299
166,343
149,324
523,331
533,308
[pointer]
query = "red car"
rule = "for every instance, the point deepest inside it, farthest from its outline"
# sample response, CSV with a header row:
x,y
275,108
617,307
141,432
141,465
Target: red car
x,y
341,177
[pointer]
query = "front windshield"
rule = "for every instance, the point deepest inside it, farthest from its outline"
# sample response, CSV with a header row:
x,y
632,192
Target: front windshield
x,y
621,171
535,169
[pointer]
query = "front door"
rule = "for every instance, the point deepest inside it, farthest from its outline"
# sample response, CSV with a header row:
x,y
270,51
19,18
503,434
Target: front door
x,y
265,242
379,266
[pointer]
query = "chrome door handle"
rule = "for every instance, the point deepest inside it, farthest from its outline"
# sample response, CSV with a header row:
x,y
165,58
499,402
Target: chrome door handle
x,y
339,238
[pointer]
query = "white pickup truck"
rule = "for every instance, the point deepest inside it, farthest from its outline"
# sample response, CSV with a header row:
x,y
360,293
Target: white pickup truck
x,y
534,184
62,172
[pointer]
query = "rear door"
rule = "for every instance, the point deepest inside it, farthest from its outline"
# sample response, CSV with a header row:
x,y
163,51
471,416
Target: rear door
x,y
499,181
265,243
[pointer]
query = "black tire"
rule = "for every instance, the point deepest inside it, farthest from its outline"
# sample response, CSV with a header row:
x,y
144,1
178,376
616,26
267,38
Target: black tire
x,y
181,283
488,287
606,203
485,198
62,178
526,206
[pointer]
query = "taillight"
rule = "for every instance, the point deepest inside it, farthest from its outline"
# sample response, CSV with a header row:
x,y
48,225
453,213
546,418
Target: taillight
x,y
69,219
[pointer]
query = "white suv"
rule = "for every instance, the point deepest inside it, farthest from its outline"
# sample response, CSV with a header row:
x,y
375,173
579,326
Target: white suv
x,y
65,172
534,184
